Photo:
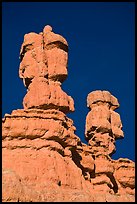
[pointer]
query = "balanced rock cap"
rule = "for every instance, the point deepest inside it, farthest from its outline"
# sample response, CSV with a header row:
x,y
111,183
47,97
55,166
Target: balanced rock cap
x,y
103,96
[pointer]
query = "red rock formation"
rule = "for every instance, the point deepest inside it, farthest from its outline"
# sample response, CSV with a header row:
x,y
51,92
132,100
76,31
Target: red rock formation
x,y
43,68
103,125
42,157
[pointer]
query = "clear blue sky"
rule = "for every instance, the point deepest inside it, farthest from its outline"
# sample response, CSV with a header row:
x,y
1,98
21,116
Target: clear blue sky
x,y
101,38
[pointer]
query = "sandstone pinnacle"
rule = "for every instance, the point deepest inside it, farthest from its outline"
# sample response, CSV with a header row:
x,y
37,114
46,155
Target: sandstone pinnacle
x,y
43,68
103,125
43,160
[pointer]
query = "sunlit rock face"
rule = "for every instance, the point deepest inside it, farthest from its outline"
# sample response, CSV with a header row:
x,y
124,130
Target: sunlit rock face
x,y
43,67
103,124
43,160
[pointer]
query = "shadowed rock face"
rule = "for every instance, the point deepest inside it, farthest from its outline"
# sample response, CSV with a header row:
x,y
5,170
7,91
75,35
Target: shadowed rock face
x,y
42,157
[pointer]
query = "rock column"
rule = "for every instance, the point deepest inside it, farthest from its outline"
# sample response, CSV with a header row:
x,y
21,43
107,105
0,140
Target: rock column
x,y
43,67
103,124
43,160
38,140
103,127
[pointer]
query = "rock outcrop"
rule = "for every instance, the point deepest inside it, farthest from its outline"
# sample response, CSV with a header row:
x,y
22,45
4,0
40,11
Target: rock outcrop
x,y
43,67
42,157
103,124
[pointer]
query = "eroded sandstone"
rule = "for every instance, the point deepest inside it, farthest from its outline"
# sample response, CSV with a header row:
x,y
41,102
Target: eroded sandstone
x,y
43,160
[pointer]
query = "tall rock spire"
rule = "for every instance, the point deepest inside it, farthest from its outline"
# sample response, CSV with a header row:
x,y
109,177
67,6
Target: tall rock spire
x,y
103,127
43,159
43,67
103,124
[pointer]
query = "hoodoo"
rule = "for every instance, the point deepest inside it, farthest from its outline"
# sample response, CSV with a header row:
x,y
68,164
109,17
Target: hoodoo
x,y
42,157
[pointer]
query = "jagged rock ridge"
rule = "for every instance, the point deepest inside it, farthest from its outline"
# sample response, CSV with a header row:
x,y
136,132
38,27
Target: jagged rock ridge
x,y
42,157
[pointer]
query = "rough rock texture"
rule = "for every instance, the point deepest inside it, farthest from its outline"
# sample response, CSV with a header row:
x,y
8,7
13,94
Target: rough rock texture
x,y
43,67
42,157
103,125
